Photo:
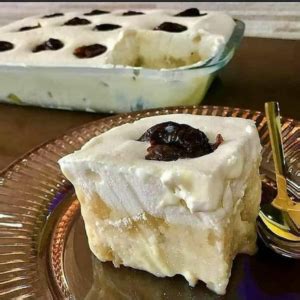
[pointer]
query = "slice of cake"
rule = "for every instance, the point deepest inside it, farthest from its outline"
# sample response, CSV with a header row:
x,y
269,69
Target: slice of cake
x,y
172,194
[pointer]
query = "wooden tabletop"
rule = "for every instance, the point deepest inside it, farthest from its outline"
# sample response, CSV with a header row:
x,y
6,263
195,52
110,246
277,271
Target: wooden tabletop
x,y
262,70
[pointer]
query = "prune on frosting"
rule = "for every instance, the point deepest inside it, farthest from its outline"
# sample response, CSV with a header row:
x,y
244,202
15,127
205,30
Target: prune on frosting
x,y
132,13
164,153
171,141
218,142
89,51
6,46
77,21
53,15
96,12
51,44
25,28
106,27
190,12
171,27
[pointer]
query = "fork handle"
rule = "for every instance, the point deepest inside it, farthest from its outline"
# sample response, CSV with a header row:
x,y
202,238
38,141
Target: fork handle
x,y
274,126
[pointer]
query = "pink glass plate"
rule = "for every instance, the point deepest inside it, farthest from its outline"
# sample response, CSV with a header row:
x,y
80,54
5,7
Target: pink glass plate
x,y
43,247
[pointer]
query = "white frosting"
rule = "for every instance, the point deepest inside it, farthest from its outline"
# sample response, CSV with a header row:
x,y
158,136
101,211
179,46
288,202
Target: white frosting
x,y
205,37
195,191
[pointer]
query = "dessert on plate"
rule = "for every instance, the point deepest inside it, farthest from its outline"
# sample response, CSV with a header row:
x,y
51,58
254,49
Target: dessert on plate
x,y
171,194
114,61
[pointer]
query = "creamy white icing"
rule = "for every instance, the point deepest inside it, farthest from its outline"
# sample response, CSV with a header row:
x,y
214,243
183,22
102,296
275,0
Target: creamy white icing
x,y
199,191
134,41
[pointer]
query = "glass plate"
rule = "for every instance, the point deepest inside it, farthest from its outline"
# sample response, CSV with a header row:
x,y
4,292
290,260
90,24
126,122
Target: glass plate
x,y
44,252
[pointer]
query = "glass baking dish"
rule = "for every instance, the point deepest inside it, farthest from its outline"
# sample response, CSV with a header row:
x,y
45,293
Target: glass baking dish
x,y
115,89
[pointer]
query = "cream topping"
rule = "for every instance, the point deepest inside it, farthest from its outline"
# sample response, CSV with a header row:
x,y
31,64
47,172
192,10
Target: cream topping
x,y
200,190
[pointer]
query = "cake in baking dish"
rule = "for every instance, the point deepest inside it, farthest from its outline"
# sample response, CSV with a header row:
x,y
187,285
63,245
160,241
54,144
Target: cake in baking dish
x,y
114,61
145,38
171,194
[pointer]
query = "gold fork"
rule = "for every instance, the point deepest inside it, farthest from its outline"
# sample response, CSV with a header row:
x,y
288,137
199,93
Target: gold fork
x,y
282,200
279,221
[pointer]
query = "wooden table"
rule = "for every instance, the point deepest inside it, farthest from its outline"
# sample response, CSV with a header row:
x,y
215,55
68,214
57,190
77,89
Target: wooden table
x,y
262,69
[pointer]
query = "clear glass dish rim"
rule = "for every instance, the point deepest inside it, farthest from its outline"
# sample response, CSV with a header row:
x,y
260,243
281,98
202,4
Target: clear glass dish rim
x,y
213,64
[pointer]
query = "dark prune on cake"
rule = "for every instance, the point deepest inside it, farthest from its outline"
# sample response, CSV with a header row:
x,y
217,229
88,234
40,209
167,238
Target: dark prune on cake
x,y
190,12
218,142
96,12
132,13
77,21
25,28
51,44
89,51
183,141
5,46
106,27
163,153
170,27
53,15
